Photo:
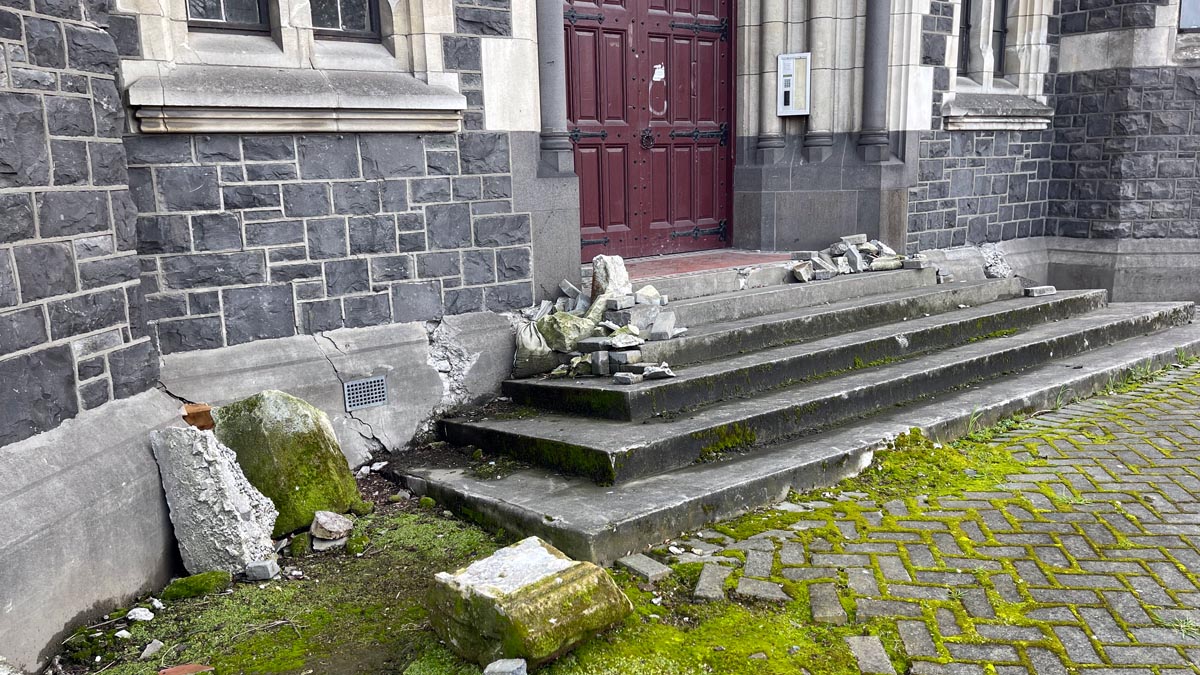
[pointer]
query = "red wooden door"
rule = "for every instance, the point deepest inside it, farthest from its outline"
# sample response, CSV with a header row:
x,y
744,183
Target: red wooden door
x,y
649,86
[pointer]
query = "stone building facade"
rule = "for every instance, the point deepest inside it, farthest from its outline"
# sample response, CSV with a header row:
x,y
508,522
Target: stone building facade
x,y
200,200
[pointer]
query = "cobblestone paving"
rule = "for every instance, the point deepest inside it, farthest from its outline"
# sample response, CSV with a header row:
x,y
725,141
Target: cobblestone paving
x,y
1086,563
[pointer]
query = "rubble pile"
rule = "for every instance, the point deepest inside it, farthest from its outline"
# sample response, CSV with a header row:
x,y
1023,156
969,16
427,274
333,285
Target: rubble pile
x,y
597,335
851,255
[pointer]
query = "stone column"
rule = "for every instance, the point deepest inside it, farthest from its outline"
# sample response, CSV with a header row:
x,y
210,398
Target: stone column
x,y
771,44
873,140
818,141
557,155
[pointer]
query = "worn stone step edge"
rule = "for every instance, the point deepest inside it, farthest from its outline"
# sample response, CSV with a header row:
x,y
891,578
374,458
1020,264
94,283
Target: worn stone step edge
x,y
753,302
773,330
749,374
602,524
613,452
690,285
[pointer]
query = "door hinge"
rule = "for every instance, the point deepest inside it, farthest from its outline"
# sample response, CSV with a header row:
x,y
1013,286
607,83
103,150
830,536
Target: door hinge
x,y
594,242
696,232
697,28
576,134
573,16
695,134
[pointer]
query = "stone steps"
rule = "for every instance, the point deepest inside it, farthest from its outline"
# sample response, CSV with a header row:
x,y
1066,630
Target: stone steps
x,y
712,341
747,374
612,451
605,523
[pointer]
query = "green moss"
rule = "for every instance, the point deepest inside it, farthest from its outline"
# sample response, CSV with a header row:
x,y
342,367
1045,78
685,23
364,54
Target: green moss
x,y
288,451
725,439
205,583
428,503
995,334
362,507
300,545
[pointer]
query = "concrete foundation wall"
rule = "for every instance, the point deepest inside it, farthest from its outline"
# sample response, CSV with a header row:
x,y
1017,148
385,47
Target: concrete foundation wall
x,y
88,527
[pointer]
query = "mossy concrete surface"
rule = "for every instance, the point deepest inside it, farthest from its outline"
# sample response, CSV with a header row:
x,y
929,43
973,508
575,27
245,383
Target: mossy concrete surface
x,y
1060,544
288,450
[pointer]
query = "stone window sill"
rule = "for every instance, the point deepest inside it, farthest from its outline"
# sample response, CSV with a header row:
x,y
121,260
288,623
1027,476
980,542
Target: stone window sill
x,y
1187,48
241,99
996,112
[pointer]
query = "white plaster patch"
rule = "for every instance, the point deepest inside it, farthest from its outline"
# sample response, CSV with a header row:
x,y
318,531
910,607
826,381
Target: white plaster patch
x,y
509,569
510,85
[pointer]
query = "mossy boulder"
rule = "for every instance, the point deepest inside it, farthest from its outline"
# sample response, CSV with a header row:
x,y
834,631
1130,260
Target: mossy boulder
x,y
563,331
287,449
205,583
528,601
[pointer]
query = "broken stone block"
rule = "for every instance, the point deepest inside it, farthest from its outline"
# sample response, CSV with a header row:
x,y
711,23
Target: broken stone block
x,y
625,341
328,544
609,276
507,667
884,263
151,649
642,316
329,525
679,331
221,520
1040,291
645,567
637,368
627,378
824,262
995,266
804,255
613,304
836,250
883,248
594,344
917,264
660,372
711,585
853,240
944,277
843,266
262,570
139,614
625,357
803,272
609,325
823,275
288,450
564,304
569,289
526,601
563,331
663,325
856,261
600,365
868,248
647,295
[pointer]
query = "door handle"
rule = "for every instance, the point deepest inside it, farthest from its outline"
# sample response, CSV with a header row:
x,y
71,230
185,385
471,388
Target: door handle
x,y
647,138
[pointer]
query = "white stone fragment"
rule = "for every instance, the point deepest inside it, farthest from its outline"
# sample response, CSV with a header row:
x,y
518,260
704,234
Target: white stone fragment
x,y
609,276
221,521
571,290
658,372
647,295
627,378
151,649
262,570
854,240
330,525
120,635
1040,291
507,667
140,614
329,544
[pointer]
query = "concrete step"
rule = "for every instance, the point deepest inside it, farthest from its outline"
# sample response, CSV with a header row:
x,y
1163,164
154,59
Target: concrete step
x,y
772,299
610,451
714,282
718,340
747,374
605,523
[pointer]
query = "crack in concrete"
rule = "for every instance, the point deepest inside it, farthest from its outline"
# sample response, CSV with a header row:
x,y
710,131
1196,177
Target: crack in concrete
x,y
163,388
370,438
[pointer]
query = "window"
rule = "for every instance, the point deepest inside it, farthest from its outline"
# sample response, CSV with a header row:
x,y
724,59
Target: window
x,y
1189,16
999,36
983,38
964,38
249,16
346,19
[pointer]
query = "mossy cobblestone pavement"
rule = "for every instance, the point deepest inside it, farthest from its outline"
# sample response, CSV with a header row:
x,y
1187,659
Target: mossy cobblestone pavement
x,y
1064,543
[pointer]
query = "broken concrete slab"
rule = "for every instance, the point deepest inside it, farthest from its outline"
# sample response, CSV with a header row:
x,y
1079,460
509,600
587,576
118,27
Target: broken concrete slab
x,y
222,522
288,450
1040,291
525,601
803,272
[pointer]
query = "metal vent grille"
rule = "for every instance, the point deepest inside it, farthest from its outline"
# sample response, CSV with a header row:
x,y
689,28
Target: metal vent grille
x,y
366,393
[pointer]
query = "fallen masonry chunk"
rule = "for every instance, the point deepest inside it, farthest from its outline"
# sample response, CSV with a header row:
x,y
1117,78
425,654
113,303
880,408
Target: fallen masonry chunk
x,y
641,316
627,378
562,331
329,544
803,272
151,649
1040,291
600,365
609,325
678,331
884,263
594,344
626,357
658,372
625,341
639,368
569,288
838,249
645,567
843,266
289,451
824,262
805,255
221,521
824,275
525,601
262,570
854,239
856,261
140,614
506,667
613,304
648,295
329,525
663,325
869,248
883,248
609,276
917,264
120,635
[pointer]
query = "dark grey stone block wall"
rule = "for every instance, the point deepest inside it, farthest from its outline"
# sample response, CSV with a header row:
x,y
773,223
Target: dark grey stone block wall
x,y
1087,16
1126,144
246,238
71,329
975,186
